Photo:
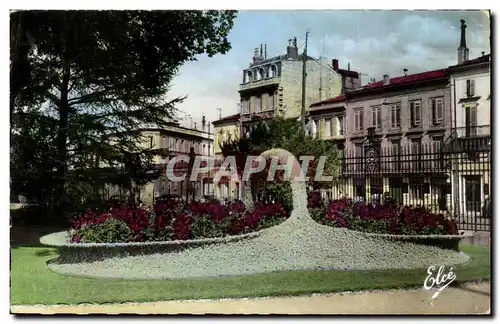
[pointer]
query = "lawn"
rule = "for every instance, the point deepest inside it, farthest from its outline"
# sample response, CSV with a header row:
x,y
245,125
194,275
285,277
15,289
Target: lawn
x,y
32,283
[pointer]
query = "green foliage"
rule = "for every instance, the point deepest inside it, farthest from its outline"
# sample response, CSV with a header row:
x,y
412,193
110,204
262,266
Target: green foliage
x,y
269,221
84,82
205,226
159,235
281,192
318,214
288,135
112,230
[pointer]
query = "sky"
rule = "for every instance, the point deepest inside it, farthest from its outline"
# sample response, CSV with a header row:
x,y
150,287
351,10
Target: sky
x,y
374,42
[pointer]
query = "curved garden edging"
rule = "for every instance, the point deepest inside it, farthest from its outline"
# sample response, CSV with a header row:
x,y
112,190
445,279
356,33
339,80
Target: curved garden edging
x,y
441,241
88,252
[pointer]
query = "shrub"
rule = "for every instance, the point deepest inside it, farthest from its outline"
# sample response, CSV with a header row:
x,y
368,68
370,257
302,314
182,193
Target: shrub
x,y
111,230
206,226
170,220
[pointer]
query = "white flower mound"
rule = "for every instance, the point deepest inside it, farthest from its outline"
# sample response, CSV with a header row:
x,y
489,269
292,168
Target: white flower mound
x,y
297,244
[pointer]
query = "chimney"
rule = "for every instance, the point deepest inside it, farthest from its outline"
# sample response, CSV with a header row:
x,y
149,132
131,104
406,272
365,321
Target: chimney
x,y
292,52
335,64
463,51
482,53
256,56
261,52
203,123
386,79
405,71
265,51
194,125
348,66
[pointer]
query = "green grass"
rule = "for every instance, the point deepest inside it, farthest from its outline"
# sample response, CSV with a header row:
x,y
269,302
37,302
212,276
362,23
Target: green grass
x,y
32,282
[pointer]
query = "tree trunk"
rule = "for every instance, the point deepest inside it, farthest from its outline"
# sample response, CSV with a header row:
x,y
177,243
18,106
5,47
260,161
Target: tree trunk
x,y
61,141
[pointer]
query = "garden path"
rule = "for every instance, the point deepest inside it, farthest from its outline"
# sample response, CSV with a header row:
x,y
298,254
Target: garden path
x,y
467,299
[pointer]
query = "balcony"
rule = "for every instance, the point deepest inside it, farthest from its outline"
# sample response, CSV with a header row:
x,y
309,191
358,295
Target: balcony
x,y
255,116
473,131
260,83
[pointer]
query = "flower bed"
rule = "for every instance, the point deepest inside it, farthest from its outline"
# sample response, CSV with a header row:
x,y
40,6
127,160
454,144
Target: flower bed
x,y
387,221
170,221
386,218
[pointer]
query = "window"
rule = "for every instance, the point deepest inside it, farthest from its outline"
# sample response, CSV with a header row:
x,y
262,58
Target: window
x,y
328,128
245,106
341,125
272,71
259,74
395,145
470,121
248,77
436,148
395,116
270,104
415,145
358,120
437,111
473,192
376,117
416,113
417,193
258,102
360,189
436,143
470,88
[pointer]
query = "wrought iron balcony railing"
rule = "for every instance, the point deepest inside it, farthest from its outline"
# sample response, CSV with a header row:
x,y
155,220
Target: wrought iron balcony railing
x,y
472,131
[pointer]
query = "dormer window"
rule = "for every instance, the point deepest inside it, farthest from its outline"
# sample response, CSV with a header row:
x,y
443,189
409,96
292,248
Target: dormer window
x,y
259,74
272,71
248,77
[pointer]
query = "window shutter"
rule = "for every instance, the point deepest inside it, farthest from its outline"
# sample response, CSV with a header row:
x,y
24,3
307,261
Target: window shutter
x,y
398,116
472,87
418,112
439,106
361,120
433,110
473,116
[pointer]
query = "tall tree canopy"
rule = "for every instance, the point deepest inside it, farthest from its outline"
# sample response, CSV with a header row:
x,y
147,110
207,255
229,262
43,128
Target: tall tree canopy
x,y
92,77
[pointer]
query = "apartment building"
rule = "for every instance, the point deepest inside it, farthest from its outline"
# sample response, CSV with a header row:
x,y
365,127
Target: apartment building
x,y
272,87
470,143
409,115
171,141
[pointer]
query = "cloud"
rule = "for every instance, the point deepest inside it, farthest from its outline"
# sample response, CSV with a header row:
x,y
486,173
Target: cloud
x,y
374,42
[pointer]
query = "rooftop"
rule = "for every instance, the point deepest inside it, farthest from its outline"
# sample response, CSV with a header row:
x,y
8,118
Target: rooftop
x,y
401,80
227,119
477,60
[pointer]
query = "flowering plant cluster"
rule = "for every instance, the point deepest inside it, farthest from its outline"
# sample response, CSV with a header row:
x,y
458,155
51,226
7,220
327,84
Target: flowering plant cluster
x,y
385,218
171,220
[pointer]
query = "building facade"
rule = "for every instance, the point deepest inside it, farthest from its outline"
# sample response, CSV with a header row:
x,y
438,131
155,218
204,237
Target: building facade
x,y
225,129
169,142
470,143
432,136
409,116
272,87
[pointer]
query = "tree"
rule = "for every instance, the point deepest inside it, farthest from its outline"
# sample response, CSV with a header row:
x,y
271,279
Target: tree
x,y
289,135
100,75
